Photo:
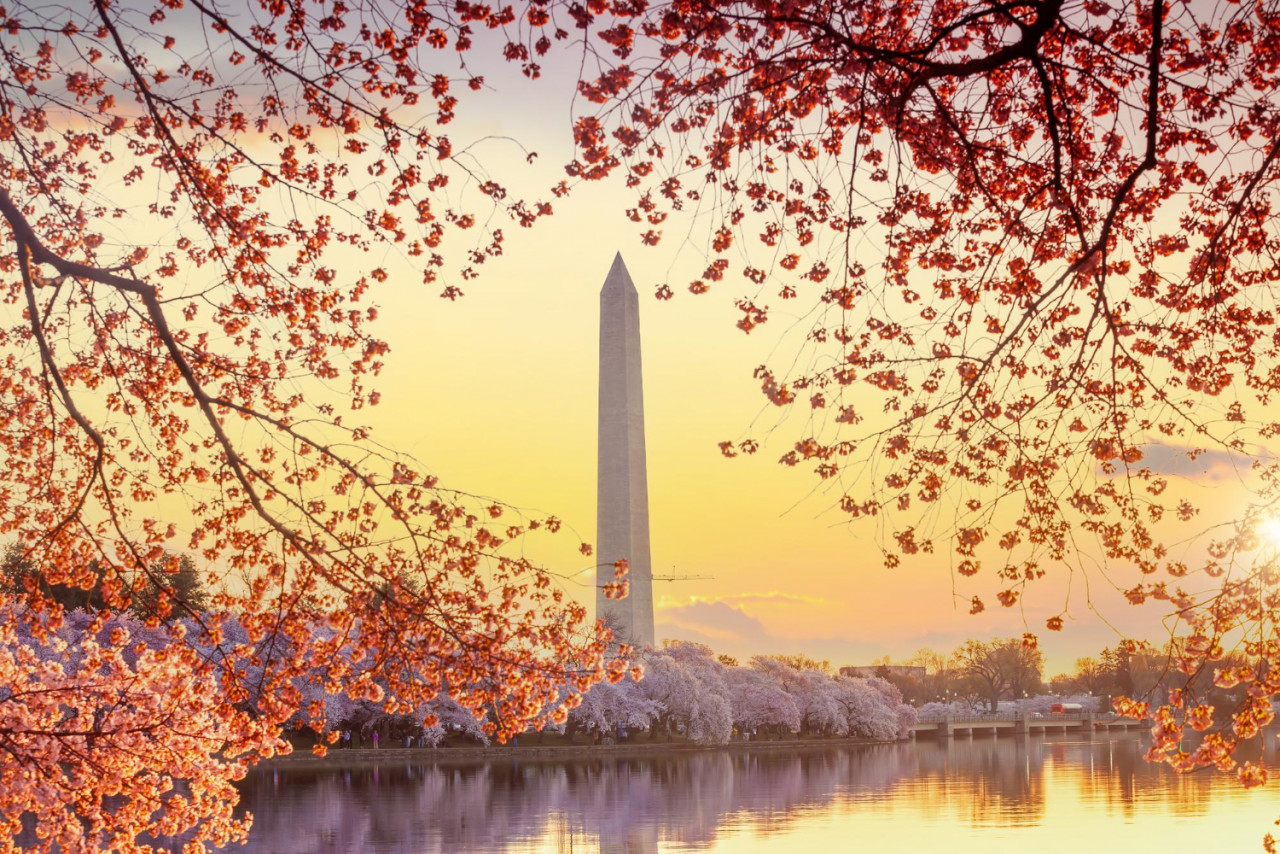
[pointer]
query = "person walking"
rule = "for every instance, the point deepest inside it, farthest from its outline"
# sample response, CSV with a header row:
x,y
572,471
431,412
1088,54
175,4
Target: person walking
x,y
375,739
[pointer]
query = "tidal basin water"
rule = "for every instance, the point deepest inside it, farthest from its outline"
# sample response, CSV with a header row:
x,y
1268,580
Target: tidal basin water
x,y
1039,794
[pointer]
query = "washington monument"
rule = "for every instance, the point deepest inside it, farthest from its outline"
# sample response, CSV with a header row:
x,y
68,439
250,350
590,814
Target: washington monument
x,y
622,489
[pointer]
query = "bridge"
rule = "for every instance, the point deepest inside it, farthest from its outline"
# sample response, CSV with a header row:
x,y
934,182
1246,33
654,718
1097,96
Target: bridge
x,y
1015,723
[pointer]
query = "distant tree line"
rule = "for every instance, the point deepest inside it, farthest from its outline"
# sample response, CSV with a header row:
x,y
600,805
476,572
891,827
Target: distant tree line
x,y
173,582
982,674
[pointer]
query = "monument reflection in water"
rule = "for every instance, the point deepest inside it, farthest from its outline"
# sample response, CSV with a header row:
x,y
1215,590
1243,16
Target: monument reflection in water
x,y
985,795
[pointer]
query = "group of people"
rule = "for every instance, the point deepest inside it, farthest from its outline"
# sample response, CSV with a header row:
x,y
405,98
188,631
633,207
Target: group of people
x,y
371,738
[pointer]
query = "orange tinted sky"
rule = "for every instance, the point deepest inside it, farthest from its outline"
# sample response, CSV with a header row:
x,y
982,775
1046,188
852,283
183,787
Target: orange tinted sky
x,y
496,394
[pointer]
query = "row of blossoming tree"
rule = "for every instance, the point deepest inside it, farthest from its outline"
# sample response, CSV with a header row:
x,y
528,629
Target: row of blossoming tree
x,y
681,688
687,689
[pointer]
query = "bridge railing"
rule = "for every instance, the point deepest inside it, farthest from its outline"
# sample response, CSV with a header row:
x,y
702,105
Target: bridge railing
x,y
1009,716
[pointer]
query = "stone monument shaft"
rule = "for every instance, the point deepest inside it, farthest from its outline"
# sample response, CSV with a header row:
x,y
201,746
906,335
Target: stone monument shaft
x,y
622,489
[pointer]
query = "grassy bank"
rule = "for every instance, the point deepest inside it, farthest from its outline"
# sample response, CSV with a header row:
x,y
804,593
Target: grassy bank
x,y
544,752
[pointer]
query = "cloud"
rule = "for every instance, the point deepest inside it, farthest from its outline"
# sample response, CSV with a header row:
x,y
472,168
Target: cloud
x,y
1214,465
766,597
729,628
713,622
774,597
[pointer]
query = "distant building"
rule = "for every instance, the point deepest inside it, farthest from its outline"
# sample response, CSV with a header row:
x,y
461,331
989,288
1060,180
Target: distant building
x,y
884,669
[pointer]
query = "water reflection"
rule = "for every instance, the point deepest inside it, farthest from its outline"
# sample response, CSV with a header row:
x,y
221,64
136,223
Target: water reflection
x,y
983,788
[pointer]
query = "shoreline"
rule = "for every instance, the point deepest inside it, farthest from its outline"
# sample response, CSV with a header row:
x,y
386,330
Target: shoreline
x,y
345,757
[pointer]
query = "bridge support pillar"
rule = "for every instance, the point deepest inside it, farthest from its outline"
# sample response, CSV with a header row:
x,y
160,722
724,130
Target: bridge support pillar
x,y
944,728
1021,726
1086,726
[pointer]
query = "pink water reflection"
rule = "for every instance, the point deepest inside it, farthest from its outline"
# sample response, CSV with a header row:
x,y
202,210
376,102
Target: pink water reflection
x,y
983,795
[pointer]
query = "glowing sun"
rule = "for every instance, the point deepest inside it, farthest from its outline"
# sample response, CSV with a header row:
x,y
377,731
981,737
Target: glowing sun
x,y
1269,532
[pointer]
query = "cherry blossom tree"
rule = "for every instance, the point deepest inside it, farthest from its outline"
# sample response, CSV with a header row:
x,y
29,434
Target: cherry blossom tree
x,y
110,735
890,697
686,682
608,706
192,196
448,715
760,702
865,714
